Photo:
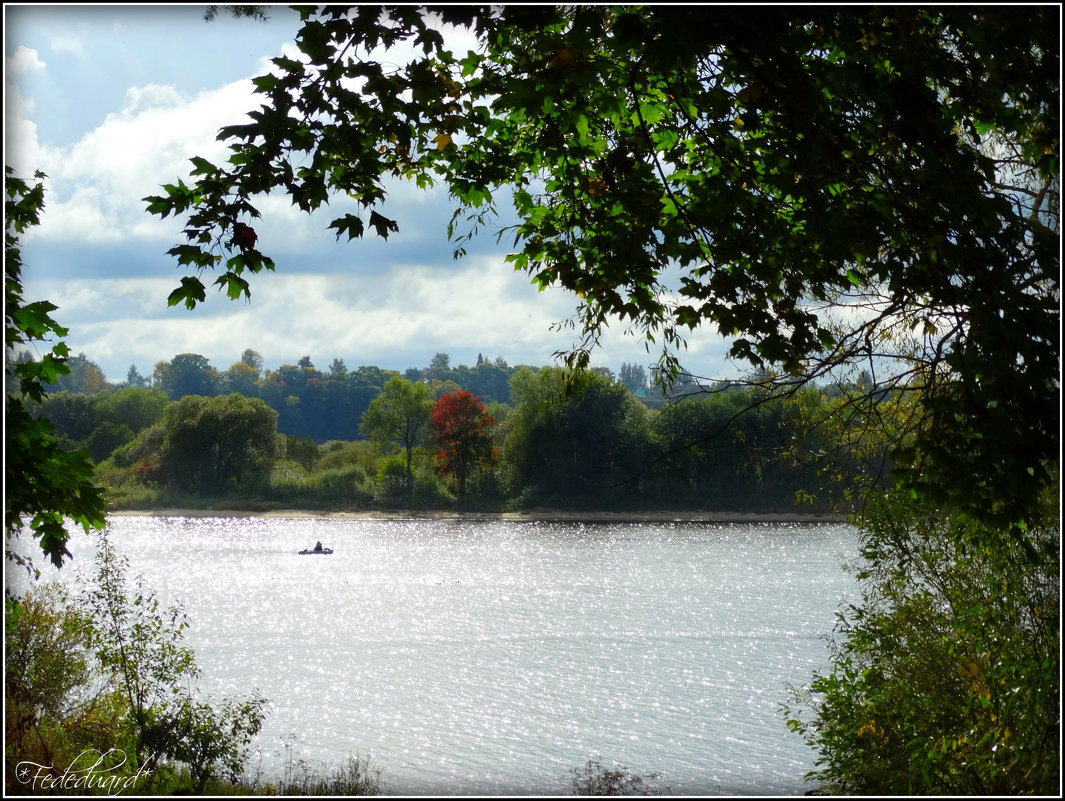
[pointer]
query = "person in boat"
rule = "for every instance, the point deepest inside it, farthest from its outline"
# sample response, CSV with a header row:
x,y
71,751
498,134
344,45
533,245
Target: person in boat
x,y
318,545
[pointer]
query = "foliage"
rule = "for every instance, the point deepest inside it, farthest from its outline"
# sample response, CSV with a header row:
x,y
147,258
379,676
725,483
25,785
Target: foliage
x,y
243,378
588,445
109,673
186,374
105,438
633,376
594,779
103,422
134,379
72,415
400,414
43,485
460,429
337,453
945,679
392,482
730,447
300,449
52,707
355,777
256,12
85,377
310,404
136,407
826,187
704,450
209,442
349,485
141,645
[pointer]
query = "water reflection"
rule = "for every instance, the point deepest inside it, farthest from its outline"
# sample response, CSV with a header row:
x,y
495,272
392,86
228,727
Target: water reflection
x,y
493,658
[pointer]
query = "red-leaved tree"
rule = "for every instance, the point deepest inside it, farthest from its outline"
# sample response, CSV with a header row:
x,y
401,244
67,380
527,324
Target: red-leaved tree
x,y
460,427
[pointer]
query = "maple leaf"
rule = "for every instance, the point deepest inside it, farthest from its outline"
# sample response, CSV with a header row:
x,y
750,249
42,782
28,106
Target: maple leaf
x,y
244,236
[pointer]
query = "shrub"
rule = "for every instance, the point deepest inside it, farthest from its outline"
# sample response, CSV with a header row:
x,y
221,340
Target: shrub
x,y
391,484
106,438
344,485
288,481
594,779
139,646
302,450
485,490
945,679
331,445
356,777
339,454
145,447
47,678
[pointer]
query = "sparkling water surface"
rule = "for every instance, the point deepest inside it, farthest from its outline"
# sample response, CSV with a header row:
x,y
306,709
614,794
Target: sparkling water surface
x,y
485,658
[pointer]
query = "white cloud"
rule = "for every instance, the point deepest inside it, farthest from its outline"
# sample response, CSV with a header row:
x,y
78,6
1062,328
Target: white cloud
x,y
483,304
66,42
89,299
395,320
414,309
20,133
97,184
24,60
142,98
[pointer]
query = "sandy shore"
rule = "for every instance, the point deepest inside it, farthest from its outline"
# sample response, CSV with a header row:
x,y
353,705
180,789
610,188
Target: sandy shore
x,y
531,515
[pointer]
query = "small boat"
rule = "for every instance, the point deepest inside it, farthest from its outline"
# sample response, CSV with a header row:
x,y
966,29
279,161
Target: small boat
x,y
316,552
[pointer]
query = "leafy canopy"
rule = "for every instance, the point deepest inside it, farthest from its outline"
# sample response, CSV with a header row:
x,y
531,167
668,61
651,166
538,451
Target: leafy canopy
x,y
825,186
946,680
43,485
460,426
399,415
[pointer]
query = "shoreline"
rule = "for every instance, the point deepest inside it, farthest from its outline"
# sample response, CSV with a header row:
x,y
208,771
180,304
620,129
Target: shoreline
x,y
546,515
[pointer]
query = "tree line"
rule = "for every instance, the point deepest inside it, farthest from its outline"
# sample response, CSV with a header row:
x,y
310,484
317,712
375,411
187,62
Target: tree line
x,y
320,404
372,437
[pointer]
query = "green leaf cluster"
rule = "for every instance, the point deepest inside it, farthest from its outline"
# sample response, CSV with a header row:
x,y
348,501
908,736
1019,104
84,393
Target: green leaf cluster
x,y
400,415
945,678
208,444
815,183
43,484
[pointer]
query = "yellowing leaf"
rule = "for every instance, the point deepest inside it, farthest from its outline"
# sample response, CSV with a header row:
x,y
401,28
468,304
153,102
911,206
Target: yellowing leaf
x,y
563,58
442,140
594,186
749,93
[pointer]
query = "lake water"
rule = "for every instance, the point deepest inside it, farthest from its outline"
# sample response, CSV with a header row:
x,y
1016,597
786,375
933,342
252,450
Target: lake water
x,y
479,658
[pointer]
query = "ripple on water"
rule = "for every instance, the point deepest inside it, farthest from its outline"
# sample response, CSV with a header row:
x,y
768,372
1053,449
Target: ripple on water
x,y
493,657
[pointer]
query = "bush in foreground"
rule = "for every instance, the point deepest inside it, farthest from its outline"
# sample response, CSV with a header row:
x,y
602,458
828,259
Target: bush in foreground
x,y
107,674
357,776
594,779
946,676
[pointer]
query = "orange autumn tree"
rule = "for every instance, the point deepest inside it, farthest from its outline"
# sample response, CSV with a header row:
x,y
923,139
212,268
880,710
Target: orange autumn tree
x,y
460,428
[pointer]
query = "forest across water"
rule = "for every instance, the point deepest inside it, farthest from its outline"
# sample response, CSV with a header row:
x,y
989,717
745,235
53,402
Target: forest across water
x,y
492,437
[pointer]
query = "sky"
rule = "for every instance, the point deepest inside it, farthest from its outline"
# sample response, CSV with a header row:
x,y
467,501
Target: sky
x,y
111,102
